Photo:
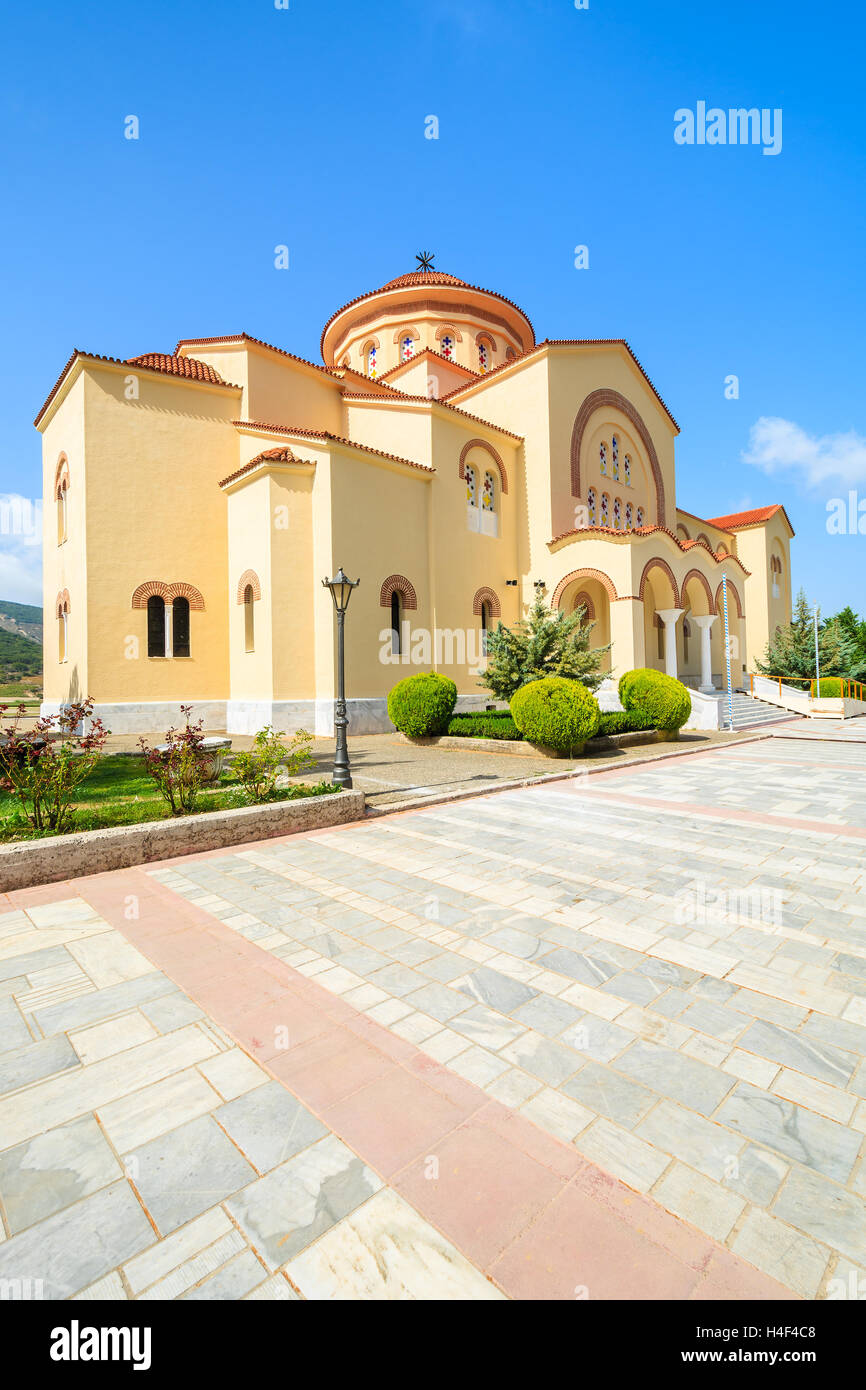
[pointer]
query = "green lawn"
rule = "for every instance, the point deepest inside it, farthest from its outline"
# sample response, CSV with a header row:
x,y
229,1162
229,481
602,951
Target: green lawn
x,y
119,792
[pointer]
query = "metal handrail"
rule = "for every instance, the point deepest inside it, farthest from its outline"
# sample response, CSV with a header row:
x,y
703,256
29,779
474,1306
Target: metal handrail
x,y
848,689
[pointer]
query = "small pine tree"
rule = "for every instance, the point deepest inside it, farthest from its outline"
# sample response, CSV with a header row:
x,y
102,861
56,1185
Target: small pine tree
x,y
853,627
792,651
546,643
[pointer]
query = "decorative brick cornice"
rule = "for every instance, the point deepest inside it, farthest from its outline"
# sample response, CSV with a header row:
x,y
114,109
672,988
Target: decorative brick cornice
x,y
400,584
249,577
157,588
604,580
607,398
488,448
485,595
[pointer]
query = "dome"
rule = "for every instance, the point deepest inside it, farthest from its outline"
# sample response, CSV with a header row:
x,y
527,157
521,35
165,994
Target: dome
x,y
422,309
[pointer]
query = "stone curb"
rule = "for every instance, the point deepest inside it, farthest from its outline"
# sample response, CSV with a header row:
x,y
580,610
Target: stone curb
x,y
31,862
417,802
522,748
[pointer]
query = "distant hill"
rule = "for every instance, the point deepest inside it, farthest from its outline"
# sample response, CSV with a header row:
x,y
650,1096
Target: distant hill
x,y
22,620
19,656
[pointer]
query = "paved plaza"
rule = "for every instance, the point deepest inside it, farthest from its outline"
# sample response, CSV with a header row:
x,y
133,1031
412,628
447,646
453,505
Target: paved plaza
x,y
602,1038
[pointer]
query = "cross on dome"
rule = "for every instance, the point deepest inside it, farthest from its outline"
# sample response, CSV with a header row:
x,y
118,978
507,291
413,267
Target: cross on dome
x,y
425,260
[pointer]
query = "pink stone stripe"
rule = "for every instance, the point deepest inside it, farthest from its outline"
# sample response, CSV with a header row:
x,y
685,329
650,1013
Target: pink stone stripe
x,y
732,813
525,1208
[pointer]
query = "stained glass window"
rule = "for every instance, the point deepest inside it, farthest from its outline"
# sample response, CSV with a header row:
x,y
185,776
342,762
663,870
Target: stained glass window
x,y
640,516
629,516
614,457
617,514
605,509
447,346
488,495
627,465
470,485
602,459
371,360
407,348
592,506
483,359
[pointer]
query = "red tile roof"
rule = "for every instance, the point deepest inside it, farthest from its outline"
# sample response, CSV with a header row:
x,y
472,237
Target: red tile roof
x,y
120,362
328,437
754,517
281,455
178,366
645,531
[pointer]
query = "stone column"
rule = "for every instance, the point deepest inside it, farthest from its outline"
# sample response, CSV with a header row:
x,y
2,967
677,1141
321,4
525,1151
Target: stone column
x,y
705,622
669,617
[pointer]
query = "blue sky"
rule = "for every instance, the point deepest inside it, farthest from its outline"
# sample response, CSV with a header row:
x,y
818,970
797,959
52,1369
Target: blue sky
x,y
305,126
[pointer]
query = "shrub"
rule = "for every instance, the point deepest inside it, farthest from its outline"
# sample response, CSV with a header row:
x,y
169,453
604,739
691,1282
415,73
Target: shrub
x,y
623,721
44,765
557,712
421,706
496,723
831,688
660,698
180,766
258,768
545,643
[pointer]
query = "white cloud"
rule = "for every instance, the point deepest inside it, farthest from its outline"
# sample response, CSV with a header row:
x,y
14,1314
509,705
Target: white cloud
x,y
20,549
781,446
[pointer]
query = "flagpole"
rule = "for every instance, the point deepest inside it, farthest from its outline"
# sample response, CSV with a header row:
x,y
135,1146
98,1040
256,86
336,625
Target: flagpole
x,y
727,650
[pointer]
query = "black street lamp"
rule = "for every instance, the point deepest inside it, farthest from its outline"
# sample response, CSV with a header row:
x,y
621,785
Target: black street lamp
x,y
341,591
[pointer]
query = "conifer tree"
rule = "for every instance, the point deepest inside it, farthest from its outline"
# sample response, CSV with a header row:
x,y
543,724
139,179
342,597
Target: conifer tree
x,y
545,643
791,652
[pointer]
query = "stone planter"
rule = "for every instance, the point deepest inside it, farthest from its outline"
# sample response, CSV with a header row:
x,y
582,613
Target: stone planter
x,y
59,857
214,750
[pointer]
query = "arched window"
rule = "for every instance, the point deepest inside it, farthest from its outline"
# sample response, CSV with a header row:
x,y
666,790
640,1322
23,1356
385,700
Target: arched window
x,y
614,458
602,459
407,347
180,627
629,516
156,645
249,620
660,636
627,469
446,346
63,633
371,359
640,521
510,354
483,357
488,495
605,509
687,632
62,514
396,622
471,485
486,615
617,514
592,506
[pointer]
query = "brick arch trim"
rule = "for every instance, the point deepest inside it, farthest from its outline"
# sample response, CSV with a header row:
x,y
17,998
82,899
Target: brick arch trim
x,y
703,581
604,580
158,588
489,449
400,584
249,577
732,589
605,397
61,476
62,603
485,595
656,563
584,600
446,330
407,331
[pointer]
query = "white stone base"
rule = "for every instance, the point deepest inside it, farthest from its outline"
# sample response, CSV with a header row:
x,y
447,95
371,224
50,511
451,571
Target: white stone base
x,y
149,717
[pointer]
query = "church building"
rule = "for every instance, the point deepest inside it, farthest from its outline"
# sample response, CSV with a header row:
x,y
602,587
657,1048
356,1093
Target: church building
x,y
439,453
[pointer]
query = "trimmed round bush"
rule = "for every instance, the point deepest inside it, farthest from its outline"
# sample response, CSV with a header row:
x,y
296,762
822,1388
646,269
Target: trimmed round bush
x,y
421,706
560,713
831,688
663,700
